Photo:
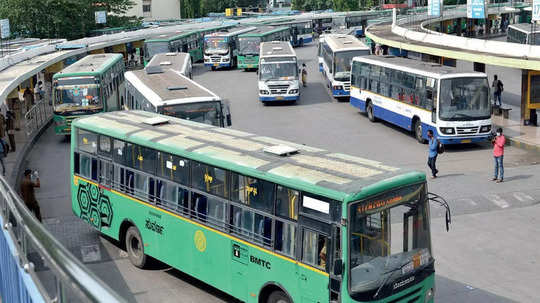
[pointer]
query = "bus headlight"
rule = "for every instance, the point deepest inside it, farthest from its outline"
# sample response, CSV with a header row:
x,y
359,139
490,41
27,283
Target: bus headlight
x,y
447,130
338,87
264,92
293,91
485,128
225,59
429,295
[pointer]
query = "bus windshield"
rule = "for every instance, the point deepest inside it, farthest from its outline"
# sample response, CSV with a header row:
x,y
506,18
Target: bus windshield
x,y
77,97
278,71
154,48
203,112
464,99
216,45
343,63
249,45
389,238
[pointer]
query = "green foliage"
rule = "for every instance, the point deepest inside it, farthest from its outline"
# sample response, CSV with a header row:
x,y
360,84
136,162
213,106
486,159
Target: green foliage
x,y
201,8
312,5
69,19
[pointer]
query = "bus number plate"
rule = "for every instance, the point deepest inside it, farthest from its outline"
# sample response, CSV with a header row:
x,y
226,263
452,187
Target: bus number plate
x,y
466,141
279,98
216,64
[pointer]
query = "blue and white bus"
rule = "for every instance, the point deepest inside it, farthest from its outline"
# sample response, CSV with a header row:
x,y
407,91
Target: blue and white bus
x,y
278,72
337,54
419,96
301,31
320,52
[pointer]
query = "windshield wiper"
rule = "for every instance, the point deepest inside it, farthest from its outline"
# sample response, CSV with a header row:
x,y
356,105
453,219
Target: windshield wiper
x,y
462,115
388,278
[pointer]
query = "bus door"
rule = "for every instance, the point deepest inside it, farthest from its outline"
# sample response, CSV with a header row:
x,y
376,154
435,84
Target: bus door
x,y
239,266
335,264
313,254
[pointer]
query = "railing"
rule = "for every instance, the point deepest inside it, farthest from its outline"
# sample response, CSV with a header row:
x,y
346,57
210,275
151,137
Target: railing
x,y
35,267
37,116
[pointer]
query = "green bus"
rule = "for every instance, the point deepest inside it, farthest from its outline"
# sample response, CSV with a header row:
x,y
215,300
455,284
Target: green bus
x,y
91,85
259,218
179,41
248,51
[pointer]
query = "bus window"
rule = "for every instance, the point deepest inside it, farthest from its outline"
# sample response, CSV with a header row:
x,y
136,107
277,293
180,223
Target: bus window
x,y
140,184
314,249
198,206
105,144
145,159
87,141
263,229
256,193
242,221
285,238
166,194
287,202
173,168
105,172
210,179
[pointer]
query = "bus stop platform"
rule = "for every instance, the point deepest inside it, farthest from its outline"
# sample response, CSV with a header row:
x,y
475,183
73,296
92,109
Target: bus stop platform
x,y
517,134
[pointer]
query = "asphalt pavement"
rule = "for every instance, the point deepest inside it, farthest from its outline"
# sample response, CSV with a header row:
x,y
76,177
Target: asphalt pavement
x,y
488,256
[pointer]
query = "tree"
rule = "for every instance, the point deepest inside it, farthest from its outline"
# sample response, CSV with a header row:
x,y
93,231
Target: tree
x,y
69,19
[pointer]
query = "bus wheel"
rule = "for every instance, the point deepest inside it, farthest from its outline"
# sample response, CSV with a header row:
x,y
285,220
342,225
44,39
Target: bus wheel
x,y
370,114
418,131
135,247
278,297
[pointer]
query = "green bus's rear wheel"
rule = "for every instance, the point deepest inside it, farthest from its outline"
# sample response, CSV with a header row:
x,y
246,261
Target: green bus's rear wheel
x,y
278,297
135,247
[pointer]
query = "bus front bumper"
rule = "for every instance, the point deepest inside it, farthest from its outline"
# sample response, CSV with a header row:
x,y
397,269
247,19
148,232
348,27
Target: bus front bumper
x,y
278,98
463,139
218,65
340,93
247,65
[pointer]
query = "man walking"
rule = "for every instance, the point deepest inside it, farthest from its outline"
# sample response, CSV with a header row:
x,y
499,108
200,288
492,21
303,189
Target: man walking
x,y
27,192
432,158
498,89
498,154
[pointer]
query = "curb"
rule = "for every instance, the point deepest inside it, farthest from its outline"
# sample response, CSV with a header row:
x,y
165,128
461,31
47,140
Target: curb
x,y
16,173
523,145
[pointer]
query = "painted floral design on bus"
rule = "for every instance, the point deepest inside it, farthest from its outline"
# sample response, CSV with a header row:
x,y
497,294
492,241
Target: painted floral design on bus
x,y
95,206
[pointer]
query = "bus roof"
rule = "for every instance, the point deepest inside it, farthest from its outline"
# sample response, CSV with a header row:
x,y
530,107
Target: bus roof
x,y
340,43
263,31
175,61
167,37
525,28
281,23
427,68
333,175
277,49
91,65
234,31
164,86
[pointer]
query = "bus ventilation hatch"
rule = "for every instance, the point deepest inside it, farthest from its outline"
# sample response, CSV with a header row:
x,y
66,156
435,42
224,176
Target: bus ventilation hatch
x,y
153,69
155,121
281,150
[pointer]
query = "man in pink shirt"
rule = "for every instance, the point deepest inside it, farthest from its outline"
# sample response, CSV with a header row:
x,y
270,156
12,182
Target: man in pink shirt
x,y
498,153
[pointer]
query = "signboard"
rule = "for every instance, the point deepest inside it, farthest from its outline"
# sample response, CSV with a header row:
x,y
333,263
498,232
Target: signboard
x,y
4,29
435,8
476,9
101,17
228,12
239,12
536,10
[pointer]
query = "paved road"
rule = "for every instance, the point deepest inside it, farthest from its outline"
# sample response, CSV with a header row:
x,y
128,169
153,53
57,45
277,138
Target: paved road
x,y
486,215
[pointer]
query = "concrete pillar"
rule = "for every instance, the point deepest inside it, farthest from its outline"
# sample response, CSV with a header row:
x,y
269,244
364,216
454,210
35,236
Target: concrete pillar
x,y
525,113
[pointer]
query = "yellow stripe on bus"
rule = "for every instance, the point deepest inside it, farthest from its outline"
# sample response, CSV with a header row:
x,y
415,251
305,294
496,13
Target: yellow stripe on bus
x,y
205,227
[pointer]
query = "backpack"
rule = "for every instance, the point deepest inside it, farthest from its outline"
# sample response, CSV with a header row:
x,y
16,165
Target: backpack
x,y
440,147
3,147
500,86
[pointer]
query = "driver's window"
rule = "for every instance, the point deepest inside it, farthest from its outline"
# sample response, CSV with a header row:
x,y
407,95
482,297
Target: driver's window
x,y
314,249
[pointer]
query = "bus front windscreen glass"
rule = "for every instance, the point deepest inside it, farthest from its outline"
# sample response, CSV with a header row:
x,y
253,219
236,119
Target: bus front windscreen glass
x,y
249,45
154,48
464,99
389,241
70,98
278,71
203,112
343,64
216,45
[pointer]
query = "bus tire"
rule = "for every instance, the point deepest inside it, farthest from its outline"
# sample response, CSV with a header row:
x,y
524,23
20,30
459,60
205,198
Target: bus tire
x,y
370,114
418,131
135,247
278,296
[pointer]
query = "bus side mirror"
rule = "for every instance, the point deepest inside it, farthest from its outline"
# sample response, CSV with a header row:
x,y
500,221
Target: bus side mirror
x,y
338,267
228,118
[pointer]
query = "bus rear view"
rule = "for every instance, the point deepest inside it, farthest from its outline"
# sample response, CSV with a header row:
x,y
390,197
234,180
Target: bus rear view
x,y
278,72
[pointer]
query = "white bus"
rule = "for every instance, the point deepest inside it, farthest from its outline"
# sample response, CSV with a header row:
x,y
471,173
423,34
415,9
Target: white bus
x,y
278,72
523,33
320,52
421,96
163,90
180,62
337,54
221,48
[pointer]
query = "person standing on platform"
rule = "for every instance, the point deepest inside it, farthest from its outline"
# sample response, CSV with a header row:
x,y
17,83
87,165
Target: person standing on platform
x,y
29,182
498,89
304,74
